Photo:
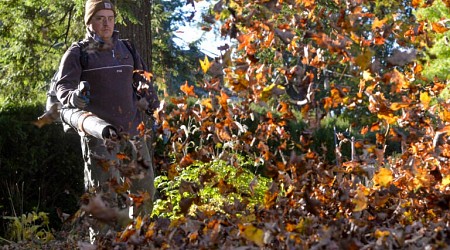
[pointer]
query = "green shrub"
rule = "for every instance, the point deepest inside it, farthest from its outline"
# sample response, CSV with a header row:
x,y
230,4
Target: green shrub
x,y
29,227
41,169
208,186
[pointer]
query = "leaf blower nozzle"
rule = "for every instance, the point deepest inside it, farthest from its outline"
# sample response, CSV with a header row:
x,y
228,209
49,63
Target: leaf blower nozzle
x,y
86,122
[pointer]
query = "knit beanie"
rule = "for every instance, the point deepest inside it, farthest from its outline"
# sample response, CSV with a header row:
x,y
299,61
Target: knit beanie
x,y
92,6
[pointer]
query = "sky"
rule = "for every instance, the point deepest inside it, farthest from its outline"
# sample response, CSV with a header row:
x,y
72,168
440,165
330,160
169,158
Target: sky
x,y
192,32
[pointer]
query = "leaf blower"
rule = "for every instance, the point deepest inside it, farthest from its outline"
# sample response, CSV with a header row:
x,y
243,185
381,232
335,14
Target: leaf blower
x,y
86,122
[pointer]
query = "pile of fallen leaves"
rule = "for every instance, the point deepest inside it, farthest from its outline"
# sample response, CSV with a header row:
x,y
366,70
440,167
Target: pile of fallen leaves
x,y
328,209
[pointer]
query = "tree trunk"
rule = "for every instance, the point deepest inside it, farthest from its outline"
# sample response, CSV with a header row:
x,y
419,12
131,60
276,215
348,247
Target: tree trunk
x,y
141,33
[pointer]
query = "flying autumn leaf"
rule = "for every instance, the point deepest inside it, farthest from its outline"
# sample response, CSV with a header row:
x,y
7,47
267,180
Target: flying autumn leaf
x,y
205,64
421,178
98,208
445,180
206,28
223,100
402,57
378,24
188,90
122,156
252,233
48,117
439,27
397,105
383,177
416,3
446,2
425,99
360,201
364,59
147,75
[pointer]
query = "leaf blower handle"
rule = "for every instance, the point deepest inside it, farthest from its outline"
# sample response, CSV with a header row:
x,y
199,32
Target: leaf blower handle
x,y
79,98
84,89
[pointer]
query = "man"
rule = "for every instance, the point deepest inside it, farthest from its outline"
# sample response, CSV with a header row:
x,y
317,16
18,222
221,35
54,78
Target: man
x,y
107,65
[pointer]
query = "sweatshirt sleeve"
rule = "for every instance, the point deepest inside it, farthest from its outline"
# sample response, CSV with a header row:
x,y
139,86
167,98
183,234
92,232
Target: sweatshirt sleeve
x,y
69,74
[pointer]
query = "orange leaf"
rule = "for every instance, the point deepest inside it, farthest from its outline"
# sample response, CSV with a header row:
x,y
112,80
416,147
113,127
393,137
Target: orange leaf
x,y
445,129
141,128
283,107
138,199
378,24
328,103
223,100
122,156
439,27
364,130
445,115
147,75
416,3
399,105
379,40
223,133
270,199
388,117
244,40
375,127
186,161
422,178
188,90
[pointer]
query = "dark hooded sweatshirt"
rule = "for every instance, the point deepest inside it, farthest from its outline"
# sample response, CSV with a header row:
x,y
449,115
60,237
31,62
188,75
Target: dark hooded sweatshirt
x,y
109,72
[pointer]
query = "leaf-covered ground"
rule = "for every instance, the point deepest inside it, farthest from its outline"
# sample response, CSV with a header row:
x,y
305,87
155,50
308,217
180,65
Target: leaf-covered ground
x,y
321,208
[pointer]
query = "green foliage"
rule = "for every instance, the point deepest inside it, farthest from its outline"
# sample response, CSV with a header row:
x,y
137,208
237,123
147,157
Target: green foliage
x,y
33,36
437,56
209,186
30,227
172,65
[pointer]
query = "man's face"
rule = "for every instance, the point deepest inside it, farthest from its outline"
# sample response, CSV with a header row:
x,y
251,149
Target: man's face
x,y
102,23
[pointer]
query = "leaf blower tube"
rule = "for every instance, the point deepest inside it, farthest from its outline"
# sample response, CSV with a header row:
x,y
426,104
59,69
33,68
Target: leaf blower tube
x,y
85,121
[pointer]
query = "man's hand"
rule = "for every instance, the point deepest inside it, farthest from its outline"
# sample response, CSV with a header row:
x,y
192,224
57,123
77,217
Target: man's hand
x,y
80,97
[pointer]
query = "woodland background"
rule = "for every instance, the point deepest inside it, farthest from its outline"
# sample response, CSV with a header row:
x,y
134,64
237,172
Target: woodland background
x,y
322,124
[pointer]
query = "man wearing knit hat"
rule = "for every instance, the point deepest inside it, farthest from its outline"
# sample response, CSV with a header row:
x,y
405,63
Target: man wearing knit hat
x,y
108,65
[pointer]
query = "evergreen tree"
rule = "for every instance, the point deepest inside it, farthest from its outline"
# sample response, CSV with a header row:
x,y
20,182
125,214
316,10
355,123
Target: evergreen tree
x,y
33,36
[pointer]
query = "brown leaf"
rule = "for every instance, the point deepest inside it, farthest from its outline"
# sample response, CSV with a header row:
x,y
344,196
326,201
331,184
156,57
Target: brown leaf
x,y
98,208
271,195
402,57
48,117
188,187
447,3
185,204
